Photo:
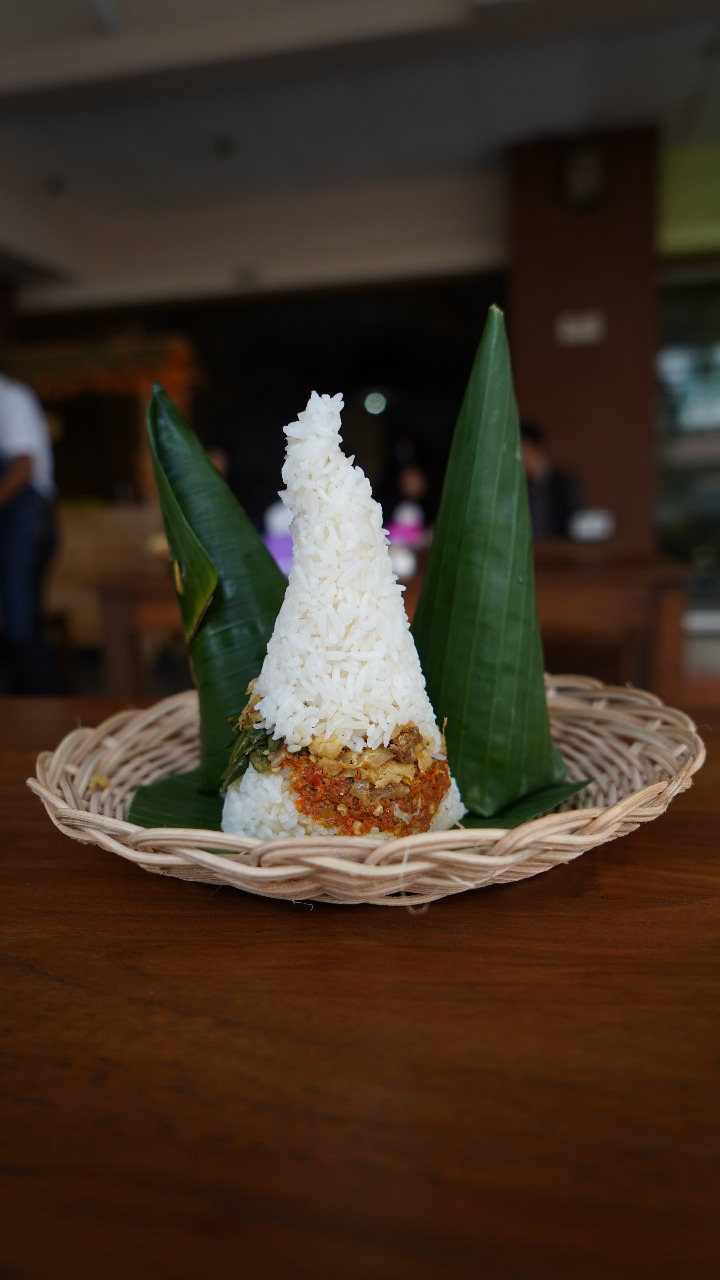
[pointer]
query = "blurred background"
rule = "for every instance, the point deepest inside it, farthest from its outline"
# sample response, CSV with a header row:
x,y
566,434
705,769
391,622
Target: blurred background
x,y
251,199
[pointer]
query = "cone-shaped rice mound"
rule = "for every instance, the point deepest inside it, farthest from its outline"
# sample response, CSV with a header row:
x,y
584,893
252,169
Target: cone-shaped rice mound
x,y
339,731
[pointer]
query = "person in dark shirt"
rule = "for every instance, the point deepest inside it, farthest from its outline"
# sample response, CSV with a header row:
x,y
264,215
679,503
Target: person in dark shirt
x,y
27,537
554,495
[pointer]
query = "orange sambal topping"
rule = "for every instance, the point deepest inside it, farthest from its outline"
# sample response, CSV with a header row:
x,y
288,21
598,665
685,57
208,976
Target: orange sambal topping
x,y
395,789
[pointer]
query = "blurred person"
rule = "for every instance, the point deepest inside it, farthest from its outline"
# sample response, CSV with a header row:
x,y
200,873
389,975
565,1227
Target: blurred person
x,y
406,485
27,536
554,495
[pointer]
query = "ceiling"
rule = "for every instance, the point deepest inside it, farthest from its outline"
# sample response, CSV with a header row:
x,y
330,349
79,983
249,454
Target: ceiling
x,y
127,112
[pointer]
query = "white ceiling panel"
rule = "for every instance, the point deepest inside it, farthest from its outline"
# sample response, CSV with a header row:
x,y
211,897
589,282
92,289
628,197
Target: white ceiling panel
x,y
305,127
124,109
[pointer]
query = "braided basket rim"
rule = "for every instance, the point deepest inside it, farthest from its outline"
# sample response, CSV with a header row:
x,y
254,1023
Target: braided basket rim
x,y
645,752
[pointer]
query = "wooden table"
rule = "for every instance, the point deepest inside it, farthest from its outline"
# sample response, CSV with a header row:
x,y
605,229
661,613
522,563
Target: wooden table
x,y
520,1083
129,606
597,604
588,596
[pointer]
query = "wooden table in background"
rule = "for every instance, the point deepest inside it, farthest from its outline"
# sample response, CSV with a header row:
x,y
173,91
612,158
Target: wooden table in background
x,y
587,595
129,606
520,1083
588,598
594,602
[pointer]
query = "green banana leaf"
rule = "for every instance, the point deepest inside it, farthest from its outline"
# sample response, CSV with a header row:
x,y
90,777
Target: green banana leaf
x,y
476,626
229,587
527,807
177,802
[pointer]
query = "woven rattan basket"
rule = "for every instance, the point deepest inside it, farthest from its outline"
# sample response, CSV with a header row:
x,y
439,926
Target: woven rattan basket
x,y
638,752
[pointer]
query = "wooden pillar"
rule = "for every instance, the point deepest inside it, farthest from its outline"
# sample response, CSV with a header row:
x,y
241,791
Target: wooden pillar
x,y
582,314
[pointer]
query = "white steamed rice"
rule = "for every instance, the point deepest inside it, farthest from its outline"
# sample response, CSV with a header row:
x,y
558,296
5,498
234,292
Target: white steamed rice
x,y
341,659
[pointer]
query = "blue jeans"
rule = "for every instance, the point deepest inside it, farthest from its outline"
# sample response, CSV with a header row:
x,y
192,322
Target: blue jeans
x,y
27,541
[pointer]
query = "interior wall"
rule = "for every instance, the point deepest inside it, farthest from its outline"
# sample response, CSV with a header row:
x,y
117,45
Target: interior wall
x,y
36,231
438,224
583,312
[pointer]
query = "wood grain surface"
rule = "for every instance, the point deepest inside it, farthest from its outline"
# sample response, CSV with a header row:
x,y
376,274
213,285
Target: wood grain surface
x,y
518,1083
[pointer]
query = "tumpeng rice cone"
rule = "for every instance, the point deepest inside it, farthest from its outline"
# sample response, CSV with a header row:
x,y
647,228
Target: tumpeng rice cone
x,y
339,735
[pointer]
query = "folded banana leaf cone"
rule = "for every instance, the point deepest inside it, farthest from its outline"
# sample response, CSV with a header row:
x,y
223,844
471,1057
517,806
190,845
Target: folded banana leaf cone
x,y
476,626
229,592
